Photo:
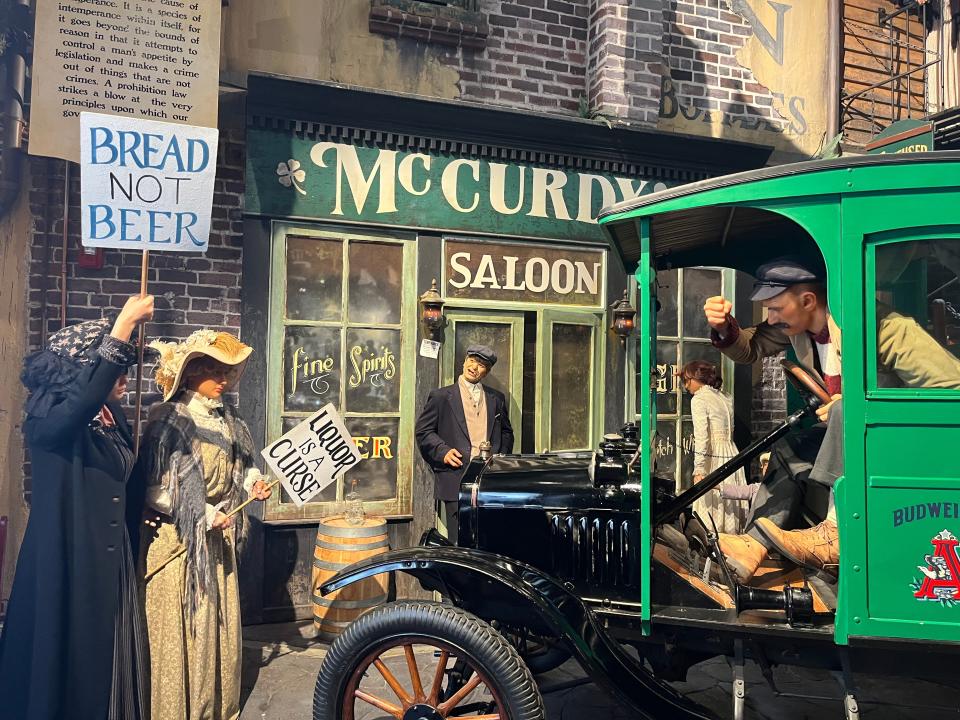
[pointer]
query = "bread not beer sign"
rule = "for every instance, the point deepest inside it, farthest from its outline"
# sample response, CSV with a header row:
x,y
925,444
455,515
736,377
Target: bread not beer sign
x,y
312,455
145,184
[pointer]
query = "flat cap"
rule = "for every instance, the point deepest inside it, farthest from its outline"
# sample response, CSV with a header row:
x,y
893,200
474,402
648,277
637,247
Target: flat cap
x,y
777,275
484,353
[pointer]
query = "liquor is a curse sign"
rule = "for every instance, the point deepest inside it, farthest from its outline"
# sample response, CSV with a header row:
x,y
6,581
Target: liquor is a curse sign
x,y
312,455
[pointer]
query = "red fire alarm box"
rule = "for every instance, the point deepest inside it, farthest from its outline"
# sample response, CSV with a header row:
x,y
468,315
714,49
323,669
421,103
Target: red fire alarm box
x,y
90,258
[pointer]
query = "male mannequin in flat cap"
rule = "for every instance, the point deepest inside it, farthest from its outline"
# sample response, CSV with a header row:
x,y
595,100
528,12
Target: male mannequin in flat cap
x,y
795,298
453,423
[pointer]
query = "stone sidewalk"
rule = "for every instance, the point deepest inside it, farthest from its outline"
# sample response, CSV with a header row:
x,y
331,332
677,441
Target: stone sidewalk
x,y
281,664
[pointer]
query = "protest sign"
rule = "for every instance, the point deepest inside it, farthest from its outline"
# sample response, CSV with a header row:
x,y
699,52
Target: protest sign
x,y
146,185
312,455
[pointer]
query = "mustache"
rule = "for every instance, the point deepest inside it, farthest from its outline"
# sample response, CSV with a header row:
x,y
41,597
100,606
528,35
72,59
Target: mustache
x,y
780,325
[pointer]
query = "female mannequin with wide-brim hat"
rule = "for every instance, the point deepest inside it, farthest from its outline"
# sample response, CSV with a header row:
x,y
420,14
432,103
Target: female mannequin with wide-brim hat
x,y
73,645
197,458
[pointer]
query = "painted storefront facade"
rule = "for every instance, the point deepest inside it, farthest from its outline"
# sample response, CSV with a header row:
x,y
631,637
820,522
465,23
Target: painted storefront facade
x,y
348,221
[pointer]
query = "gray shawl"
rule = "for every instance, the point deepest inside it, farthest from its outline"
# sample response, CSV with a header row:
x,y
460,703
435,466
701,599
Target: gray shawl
x,y
170,457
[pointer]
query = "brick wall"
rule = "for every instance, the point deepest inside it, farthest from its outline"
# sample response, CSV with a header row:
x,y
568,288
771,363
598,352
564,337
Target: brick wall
x,y
637,61
769,398
535,56
703,78
626,56
191,290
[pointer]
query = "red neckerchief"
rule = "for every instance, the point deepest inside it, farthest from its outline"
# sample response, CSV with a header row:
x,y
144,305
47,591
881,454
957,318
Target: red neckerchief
x,y
822,337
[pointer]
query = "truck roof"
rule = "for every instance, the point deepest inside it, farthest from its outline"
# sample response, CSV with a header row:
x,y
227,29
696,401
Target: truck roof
x,y
742,218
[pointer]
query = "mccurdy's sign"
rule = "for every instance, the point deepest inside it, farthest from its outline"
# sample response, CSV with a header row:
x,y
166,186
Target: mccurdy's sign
x,y
294,176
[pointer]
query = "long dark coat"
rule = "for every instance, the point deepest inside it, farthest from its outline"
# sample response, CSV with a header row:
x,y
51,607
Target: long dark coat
x,y
56,651
442,425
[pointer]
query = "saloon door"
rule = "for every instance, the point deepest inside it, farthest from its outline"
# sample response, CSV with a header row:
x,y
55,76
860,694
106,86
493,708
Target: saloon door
x,y
549,367
569,366
501,331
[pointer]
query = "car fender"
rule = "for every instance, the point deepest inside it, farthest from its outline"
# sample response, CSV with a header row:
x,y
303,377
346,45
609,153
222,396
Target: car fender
x,y
450,569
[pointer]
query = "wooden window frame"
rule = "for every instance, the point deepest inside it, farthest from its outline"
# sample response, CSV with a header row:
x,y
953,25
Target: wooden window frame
x,y
399,507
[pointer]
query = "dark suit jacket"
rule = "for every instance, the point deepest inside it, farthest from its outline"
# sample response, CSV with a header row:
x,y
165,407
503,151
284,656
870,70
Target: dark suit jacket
x,y
442,426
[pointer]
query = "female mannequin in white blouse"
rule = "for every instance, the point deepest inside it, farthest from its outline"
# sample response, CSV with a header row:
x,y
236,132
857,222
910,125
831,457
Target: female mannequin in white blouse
x,y
712,413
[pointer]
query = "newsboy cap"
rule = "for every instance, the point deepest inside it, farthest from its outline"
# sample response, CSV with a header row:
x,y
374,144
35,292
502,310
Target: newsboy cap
x,y
484,353
777,275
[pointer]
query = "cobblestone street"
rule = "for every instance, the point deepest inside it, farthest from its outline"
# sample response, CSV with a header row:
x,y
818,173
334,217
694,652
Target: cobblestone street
x,y
279,679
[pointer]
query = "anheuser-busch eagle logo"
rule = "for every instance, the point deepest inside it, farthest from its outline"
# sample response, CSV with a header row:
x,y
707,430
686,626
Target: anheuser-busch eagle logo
x,y
941,574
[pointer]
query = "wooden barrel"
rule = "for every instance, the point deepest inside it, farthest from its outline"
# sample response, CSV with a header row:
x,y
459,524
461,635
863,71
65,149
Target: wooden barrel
x,y
340,544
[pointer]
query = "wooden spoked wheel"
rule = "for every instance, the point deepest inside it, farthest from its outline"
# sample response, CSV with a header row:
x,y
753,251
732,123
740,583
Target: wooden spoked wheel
x,y
418,660
431,683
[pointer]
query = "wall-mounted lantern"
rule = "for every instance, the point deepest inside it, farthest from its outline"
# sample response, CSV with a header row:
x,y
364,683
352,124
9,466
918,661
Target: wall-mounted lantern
x,y
431,310
624,318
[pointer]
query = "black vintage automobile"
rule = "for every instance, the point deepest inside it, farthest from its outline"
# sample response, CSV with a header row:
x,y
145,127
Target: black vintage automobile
x,y
597,558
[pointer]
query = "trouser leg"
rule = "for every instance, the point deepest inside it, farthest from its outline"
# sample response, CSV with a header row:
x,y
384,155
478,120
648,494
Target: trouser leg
x,y
829,464
447,519
781,494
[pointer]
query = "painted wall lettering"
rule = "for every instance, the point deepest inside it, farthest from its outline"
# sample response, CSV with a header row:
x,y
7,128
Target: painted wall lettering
x,y
772,42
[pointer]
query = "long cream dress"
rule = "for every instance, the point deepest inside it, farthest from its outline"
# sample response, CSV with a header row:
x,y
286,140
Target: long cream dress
x,y
195,665
712,413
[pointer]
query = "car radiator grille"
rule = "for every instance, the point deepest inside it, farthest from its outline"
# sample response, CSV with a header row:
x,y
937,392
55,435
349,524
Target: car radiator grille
x,y
599,550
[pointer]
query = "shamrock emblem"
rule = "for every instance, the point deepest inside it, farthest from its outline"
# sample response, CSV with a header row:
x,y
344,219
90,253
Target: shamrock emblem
x,y
290,174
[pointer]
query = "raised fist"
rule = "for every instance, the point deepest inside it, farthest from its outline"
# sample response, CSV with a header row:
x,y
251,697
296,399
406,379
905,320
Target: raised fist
x,y
717,311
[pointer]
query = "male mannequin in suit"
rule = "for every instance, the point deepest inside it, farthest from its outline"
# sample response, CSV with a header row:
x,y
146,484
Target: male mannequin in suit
x,y
453,423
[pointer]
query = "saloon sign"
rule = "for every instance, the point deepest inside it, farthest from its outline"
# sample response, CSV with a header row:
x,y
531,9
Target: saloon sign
x,y
523,273
295,176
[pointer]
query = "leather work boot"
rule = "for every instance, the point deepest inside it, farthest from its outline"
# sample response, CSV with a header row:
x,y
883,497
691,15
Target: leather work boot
x,y
743,554
816,548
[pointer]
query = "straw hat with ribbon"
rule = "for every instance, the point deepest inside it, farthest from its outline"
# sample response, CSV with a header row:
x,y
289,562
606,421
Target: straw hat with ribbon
x,y
174,357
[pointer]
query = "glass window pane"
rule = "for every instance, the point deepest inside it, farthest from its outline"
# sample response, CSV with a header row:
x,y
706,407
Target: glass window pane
x,y
328,494
570,381
665,447
498,337
375,272
665,370
698,285
311,368
377,439
373,370
314,278
667,295
918,314
697,351
687,457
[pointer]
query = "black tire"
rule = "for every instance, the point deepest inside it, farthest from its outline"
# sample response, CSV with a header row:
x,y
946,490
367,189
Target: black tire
x,y
430,623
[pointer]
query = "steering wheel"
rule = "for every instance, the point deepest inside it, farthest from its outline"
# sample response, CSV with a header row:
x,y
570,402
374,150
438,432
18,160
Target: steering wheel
x,y
807,382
